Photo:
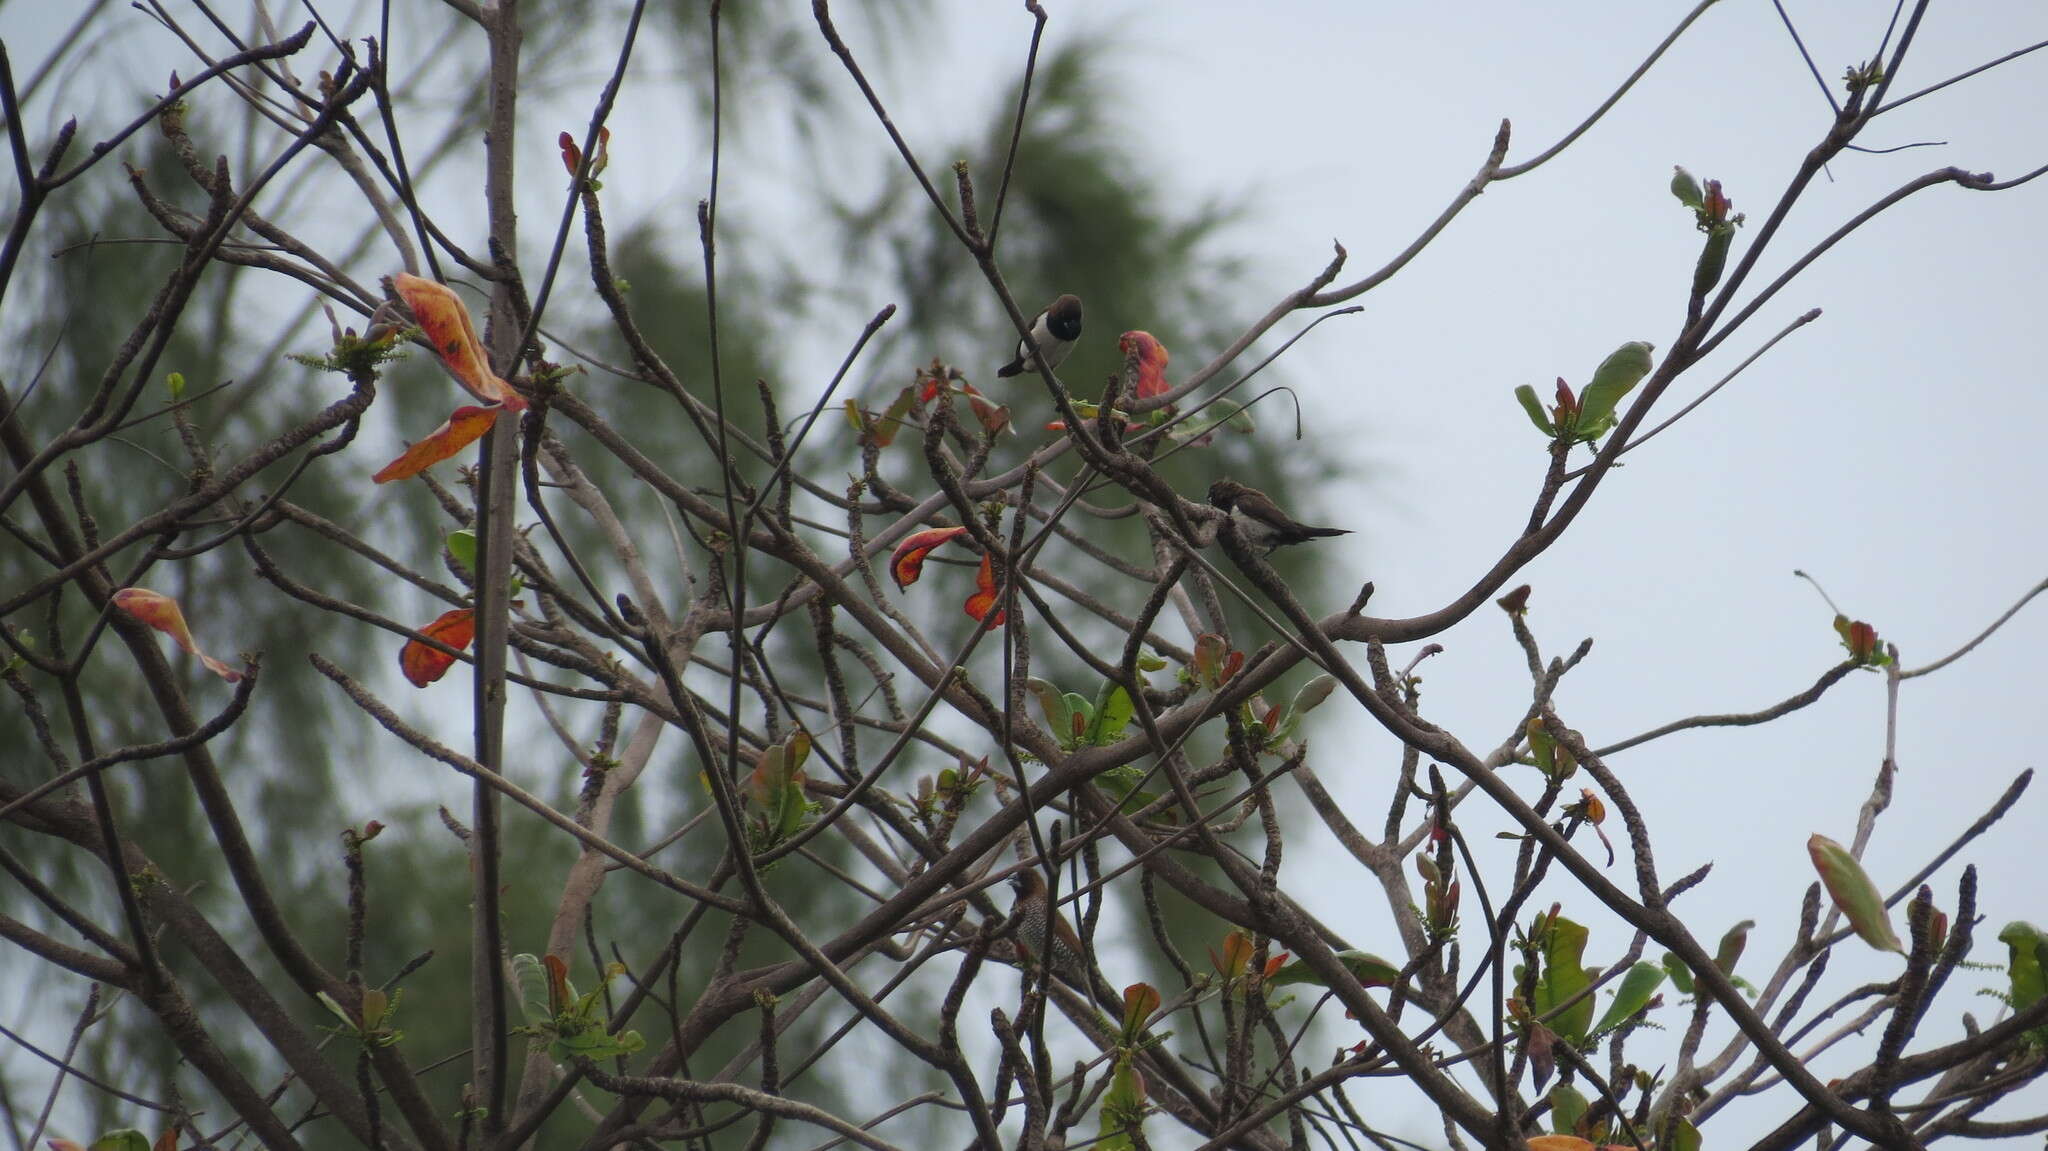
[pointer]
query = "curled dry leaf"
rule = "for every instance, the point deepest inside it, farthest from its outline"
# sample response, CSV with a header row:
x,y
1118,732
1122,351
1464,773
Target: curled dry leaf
x,y
906,563
444,319
422,664
464,428
161,612
1151,362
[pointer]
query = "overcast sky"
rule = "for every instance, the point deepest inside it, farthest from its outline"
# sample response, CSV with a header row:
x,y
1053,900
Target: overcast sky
x,y
1891,448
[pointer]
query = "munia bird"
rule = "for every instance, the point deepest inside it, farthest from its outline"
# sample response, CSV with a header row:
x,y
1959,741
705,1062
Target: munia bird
x,y
1259,520
1033,914
1054,331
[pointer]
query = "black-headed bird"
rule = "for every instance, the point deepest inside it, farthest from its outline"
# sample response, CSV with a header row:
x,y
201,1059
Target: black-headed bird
x,y
1054,331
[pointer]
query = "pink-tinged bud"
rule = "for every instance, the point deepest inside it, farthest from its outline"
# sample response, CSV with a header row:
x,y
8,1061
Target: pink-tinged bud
x,y
1567,402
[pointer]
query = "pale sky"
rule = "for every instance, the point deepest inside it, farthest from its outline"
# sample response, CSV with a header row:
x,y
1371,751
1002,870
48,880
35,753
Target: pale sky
x,y
1891,448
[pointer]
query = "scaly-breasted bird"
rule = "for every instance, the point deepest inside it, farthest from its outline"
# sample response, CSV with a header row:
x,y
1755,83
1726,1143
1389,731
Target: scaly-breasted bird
x,y
1259,520
1054,330
1032,914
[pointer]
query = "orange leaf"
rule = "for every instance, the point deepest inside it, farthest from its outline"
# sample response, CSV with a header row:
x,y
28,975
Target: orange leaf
x,y
464,428
1559,1143
1151,362
981,601
906,563
1237,953
1596,811
422,664
161,612
558,982
444,319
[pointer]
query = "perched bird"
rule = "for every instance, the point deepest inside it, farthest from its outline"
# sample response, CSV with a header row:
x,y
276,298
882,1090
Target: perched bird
x,y
1054,330
1259,520
1032,914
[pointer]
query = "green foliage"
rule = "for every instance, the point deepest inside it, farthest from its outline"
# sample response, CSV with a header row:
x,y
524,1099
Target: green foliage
x,y
1583,418
777,807
1370,970
372,1028
1854,894
2027,970
1557,945
1631,998
572,1025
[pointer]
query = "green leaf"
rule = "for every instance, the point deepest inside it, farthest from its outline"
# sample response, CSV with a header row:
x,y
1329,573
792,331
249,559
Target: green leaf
x,y
1730,951
891,421
1687,189
462,545
1632,996
1240,420
1613,380
1567,1107
1054,705
595,1044
1681,975
2027,968
376,1008
1542,748
1149,662
176,383
1313,692
1123,1106
1113,711
1564,976
530,984
1713,259
341,1013
1369,969
122,1139
1854,894
1684,1136
1534,406
1080,719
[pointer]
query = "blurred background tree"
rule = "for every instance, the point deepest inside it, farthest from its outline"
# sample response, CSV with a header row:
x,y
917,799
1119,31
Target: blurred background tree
x,y
1087,213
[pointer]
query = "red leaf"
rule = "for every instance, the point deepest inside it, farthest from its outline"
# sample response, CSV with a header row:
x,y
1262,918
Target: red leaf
x,y
906,563
444,320
464,428
572,156
982,600
422,664
1151,362
161,612
994,417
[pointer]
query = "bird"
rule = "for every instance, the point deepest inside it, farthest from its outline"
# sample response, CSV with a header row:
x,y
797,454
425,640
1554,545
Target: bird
x,y
1259,520
1032,912
1054,331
